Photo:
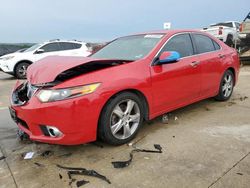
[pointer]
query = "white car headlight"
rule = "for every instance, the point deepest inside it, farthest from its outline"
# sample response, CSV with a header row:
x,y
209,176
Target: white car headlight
x,y
6,58
49,95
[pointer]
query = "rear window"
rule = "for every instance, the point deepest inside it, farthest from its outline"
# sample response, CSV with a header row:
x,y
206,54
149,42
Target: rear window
x,y
69,45
203,43
228,24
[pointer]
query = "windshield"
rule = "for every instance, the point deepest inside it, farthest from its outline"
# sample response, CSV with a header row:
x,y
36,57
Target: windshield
x,y
129,48
32,48
227,24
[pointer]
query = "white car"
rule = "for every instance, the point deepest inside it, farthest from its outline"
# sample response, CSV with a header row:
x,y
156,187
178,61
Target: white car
x,y
17,63
225,31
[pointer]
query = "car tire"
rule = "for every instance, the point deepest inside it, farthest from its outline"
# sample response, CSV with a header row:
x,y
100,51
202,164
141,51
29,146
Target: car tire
x,y
20,70
229,41
121,119
226,86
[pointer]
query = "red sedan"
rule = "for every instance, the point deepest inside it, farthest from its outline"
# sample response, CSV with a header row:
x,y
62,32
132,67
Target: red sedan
x,y
73,100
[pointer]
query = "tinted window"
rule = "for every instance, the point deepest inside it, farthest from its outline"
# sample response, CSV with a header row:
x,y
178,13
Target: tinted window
x,y
216,45
51,47
237,25
203,43
227,24
77,45
69,45
181,43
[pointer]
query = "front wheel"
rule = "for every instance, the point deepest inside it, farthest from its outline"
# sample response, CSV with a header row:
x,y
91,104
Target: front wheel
x,y
226,86
21,69
121,119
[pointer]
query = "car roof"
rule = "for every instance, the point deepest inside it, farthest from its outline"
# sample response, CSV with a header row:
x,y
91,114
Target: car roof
x,y
171,31
58,40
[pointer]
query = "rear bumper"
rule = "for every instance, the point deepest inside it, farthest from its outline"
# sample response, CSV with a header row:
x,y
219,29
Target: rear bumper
x,y
76,118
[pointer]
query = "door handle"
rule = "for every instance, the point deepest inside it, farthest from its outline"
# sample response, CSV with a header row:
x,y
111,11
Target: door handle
x,y
195,63
221,56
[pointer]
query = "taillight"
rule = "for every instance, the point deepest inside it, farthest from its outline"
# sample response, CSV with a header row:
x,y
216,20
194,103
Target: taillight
x,y
241,27
220,31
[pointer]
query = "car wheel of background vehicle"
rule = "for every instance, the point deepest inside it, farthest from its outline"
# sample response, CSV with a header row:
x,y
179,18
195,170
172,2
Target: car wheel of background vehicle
x,y
20,70
121,119
229,41
226,86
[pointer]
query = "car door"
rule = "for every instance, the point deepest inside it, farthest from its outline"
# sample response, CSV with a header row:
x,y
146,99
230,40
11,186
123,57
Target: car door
x,y
178,83
48,50
210,57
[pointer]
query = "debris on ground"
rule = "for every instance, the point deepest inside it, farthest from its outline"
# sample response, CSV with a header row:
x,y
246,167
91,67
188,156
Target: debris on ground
x,y
123,164
165,118
46,153
239,174
175,118
207,109
22,135
243,98
83,171
39,164
60,176
29,155
2,157
81,183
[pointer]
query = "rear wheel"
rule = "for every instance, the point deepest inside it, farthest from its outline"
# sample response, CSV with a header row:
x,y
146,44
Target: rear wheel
x,y
21,69
226,86
121,119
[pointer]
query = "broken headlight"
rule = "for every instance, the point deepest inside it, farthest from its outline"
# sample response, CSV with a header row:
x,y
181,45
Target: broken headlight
x,y
50,95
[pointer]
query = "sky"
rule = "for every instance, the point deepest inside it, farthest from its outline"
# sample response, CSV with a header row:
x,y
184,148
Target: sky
x,y
104,20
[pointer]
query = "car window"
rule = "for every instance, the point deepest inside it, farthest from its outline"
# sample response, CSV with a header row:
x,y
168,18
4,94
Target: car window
x,y
237,25
216,45
69,45
226,24
51,47
203,43
77,45
129,48
181,43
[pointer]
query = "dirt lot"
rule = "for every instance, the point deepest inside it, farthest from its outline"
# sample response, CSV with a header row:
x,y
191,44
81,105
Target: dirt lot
x,y
206,144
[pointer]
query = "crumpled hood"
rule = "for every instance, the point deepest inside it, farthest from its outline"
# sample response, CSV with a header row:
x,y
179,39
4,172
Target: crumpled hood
x,y
47,69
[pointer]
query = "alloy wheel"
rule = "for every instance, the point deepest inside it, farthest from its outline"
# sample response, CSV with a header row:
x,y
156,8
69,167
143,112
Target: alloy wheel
x,y
227,86
125,119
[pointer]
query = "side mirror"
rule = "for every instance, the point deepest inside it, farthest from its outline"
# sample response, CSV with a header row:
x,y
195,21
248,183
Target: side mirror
x,y
168,57
39,51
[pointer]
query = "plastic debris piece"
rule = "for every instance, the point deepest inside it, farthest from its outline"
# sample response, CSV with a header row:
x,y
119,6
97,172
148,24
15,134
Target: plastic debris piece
x,y
47,153
175,118
22,135
123,164
39,164
60,176
83,171
81,183
29,155
130,144
239,173
165,119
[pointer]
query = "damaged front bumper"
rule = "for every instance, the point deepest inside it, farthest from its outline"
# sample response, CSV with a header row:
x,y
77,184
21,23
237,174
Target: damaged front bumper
x,y
75,119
